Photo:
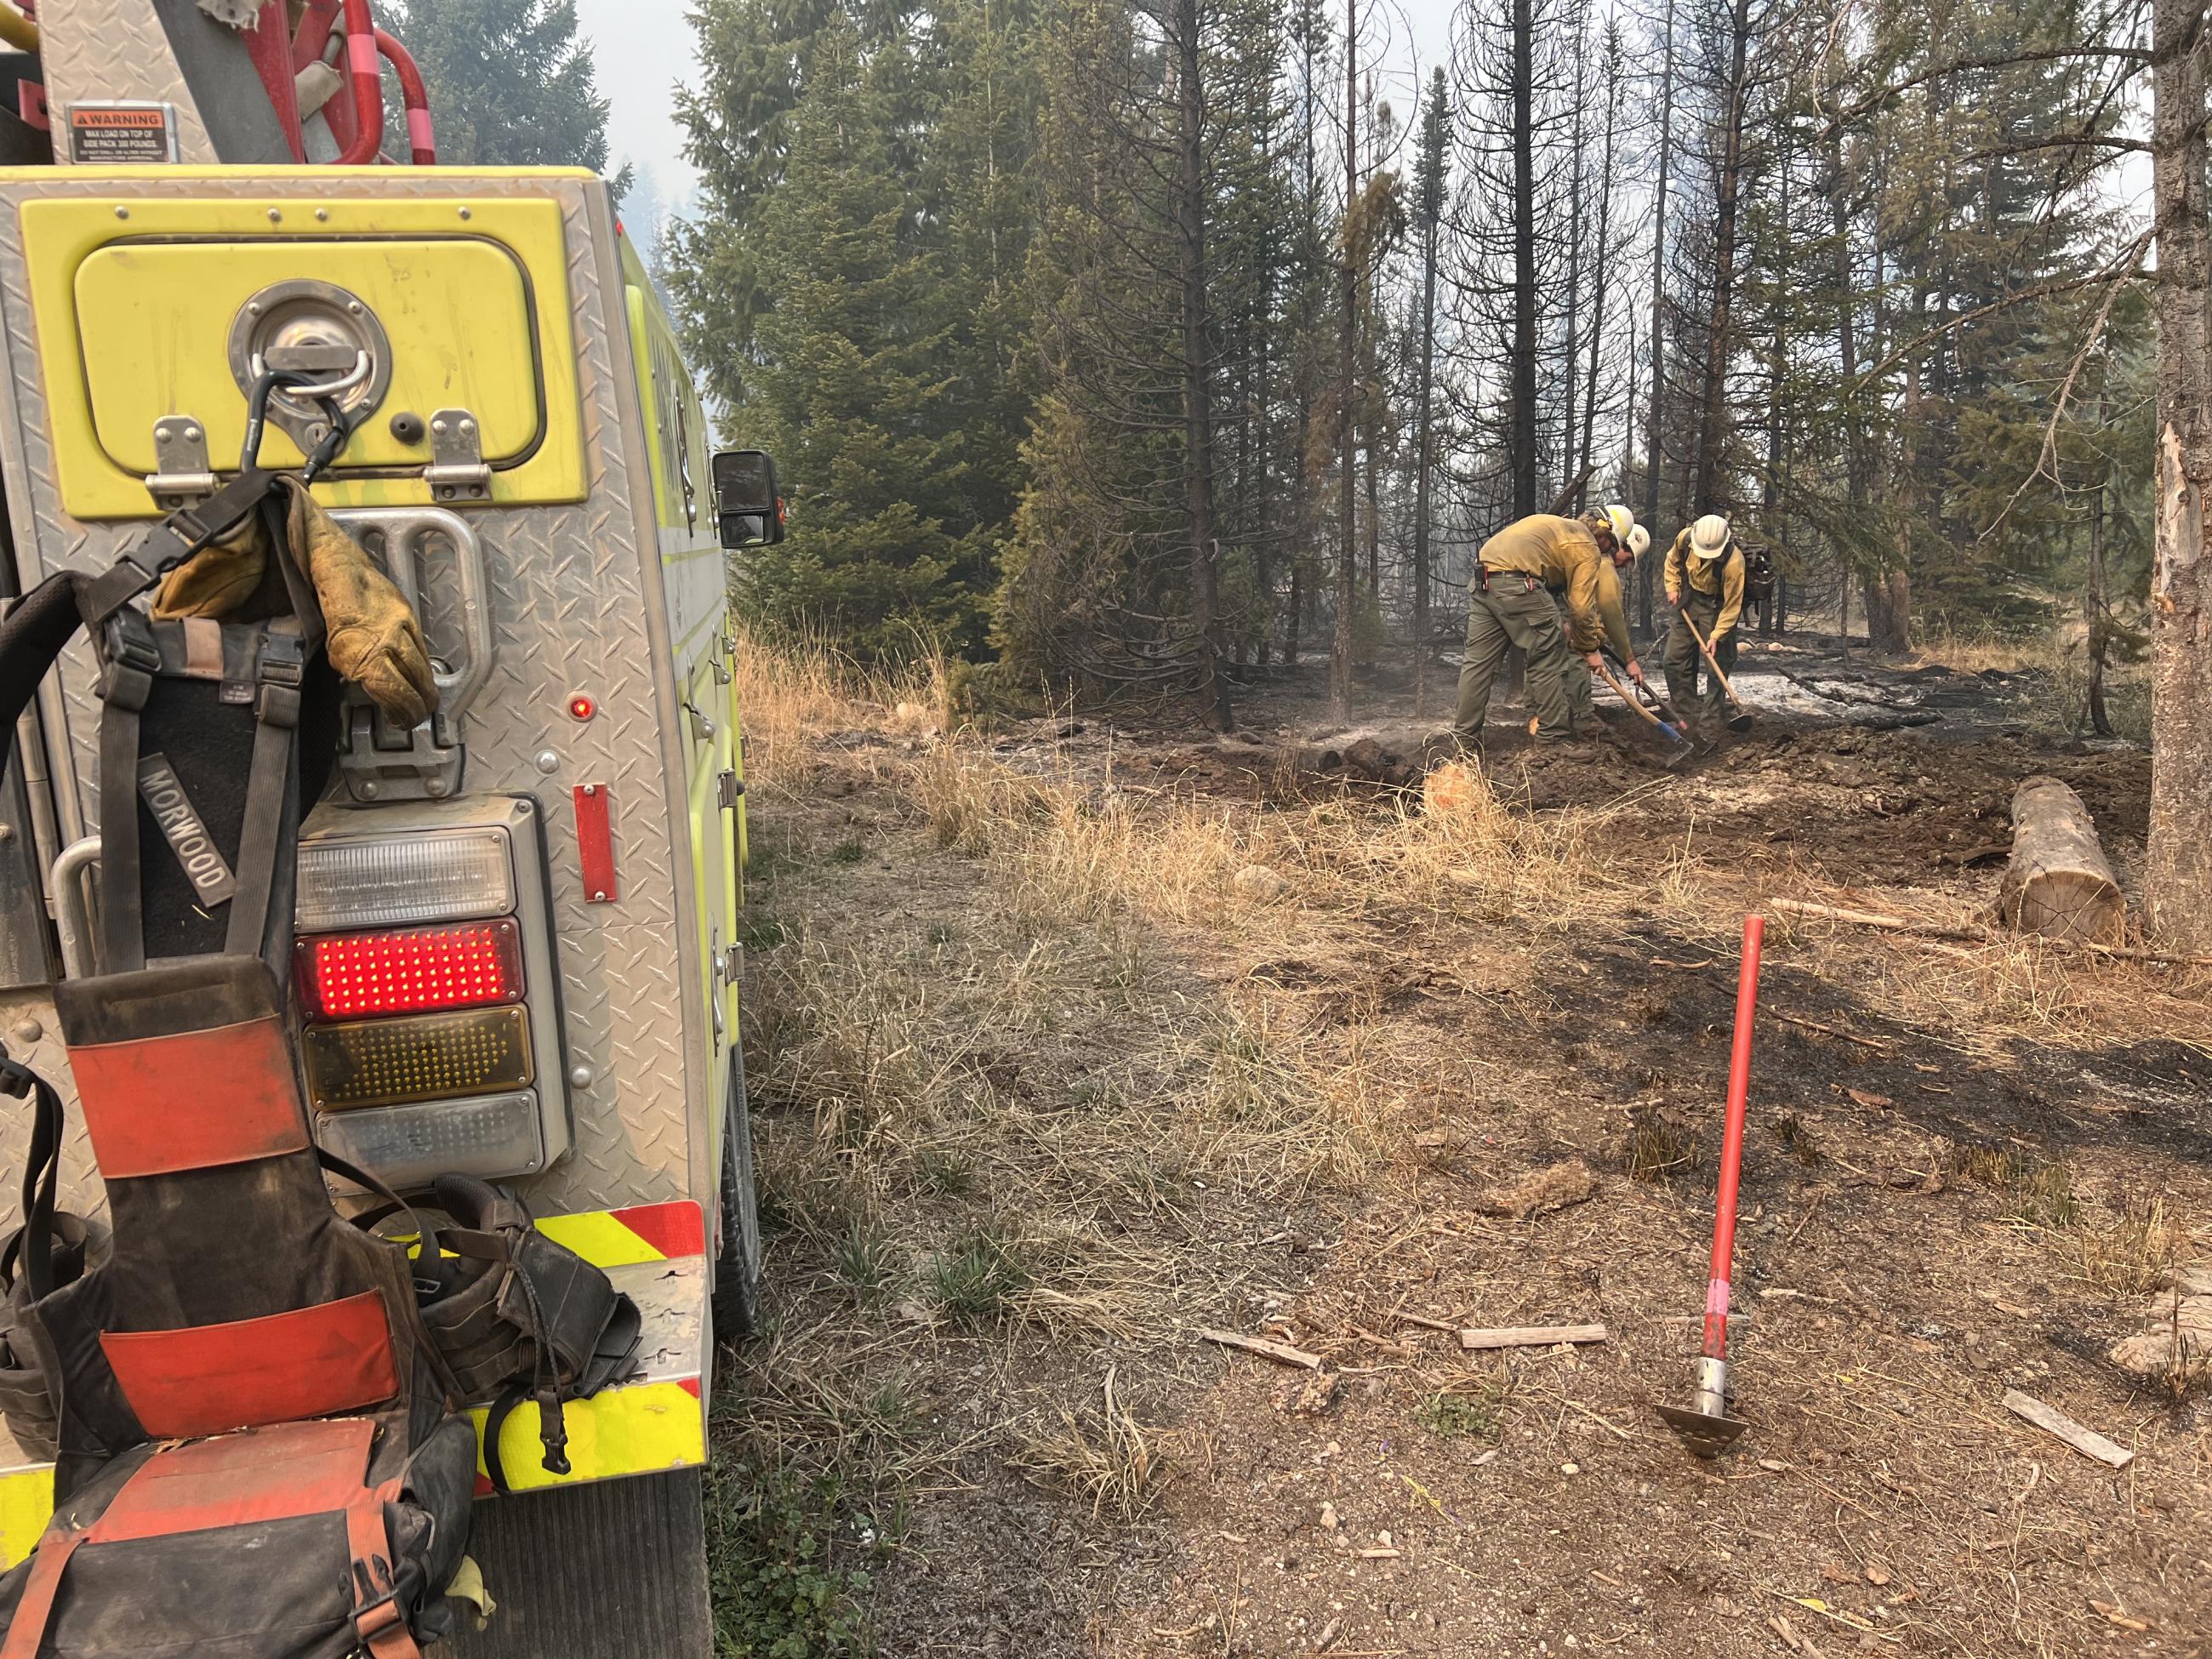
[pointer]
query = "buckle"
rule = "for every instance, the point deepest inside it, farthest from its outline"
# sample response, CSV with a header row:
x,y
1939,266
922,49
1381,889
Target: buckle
x,y
553,1432
284,659
16,1078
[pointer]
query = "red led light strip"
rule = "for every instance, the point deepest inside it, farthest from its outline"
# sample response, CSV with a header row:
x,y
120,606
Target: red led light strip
x,y
410,970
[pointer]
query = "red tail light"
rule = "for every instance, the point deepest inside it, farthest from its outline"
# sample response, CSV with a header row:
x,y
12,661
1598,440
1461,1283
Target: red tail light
x,y
410,970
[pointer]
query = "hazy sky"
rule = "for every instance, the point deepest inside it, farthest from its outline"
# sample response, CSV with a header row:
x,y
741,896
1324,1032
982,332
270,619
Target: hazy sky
x,y
644,48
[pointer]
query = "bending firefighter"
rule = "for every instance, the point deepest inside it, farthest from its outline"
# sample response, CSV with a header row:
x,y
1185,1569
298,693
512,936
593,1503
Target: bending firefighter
x,y
1509,603
1704,581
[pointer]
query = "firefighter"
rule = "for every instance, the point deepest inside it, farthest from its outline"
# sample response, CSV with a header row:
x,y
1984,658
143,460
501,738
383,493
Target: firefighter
x,y
1705,578
1509,605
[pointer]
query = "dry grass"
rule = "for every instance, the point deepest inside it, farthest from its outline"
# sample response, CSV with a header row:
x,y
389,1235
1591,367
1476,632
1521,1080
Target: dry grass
x,y
1100,1455
793,691
2127,1249
1971,652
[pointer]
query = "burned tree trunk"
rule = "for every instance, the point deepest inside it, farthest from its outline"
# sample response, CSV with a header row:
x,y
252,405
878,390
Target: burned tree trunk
x,y
2178,885
1197,366
2059,884
1339,656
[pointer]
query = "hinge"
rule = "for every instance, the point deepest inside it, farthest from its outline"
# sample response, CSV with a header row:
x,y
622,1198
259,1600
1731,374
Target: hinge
x,y
457,472
181,474
729,787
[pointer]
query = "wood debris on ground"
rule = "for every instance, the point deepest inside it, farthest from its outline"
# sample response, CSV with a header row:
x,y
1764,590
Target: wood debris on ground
x,y
2051,1420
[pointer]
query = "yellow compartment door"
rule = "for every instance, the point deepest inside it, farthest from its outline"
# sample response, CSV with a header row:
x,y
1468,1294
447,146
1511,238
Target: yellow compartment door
x,y
154,320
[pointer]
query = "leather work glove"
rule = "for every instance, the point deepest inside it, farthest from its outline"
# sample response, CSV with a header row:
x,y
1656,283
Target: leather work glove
x,y
372,639
220,579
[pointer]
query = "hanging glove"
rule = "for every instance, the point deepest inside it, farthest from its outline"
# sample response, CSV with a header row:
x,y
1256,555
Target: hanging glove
x,y
373,638
220,579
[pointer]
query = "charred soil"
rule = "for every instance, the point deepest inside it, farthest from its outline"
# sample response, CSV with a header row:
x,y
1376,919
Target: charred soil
x,y
1045,1082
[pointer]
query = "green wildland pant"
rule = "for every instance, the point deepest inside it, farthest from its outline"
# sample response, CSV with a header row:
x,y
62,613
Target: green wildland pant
x,y
1581,684
1514,611
1683,659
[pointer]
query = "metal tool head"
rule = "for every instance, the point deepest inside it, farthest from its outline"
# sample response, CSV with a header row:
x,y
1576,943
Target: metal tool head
x,y
1704,1434
1704,1423
1739,722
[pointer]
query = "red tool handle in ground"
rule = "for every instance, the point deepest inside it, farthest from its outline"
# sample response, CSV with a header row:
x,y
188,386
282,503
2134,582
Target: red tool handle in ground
x,y
1739,1090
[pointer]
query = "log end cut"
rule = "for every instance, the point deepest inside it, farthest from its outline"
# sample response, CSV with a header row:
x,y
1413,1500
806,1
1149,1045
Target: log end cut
x,y
2058,885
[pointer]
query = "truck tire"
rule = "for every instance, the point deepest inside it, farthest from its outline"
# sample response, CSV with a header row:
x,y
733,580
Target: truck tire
x,y
736,1298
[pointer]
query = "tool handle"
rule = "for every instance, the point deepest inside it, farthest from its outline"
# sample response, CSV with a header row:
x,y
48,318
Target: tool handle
x,y
1711,662
1739,1092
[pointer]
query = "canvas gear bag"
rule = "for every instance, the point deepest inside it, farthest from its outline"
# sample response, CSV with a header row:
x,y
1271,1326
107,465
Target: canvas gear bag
x,y
515,1315
256,1454
234,1304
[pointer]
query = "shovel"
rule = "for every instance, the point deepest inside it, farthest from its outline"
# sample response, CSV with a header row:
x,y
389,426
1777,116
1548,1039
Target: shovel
x,y
1739,721
1621,691
1704,1423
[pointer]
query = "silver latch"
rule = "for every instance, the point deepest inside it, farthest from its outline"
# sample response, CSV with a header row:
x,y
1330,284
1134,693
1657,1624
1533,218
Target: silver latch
x,y
702,728
457,472
733,962
729,787
181,473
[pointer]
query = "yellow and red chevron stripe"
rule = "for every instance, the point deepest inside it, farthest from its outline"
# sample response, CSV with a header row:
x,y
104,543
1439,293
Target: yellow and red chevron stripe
x,y
657,1421
622,1238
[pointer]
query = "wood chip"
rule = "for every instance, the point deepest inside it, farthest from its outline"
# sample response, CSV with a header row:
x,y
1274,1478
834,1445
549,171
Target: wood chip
x,y
1532,1336
1876,1577
2051,1420
1875,1101
1378,1554
1281,1352
2112,1615
1423,1319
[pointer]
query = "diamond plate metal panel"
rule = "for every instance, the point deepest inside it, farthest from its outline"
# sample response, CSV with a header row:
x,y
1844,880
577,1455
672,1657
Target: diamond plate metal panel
x,y
21,1017
117,49
576,603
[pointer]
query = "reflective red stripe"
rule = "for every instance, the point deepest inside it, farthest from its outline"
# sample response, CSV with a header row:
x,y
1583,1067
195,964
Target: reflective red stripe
x,y
159,1105
311,1362
674,1229
274,1474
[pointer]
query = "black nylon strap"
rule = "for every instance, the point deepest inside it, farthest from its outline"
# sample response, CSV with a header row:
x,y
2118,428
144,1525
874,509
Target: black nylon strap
x,y
121,916
268,788
41,1171
170,542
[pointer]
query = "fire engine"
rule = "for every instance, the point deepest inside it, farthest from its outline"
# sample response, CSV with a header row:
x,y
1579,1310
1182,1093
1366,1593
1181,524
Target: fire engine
x,y
196,191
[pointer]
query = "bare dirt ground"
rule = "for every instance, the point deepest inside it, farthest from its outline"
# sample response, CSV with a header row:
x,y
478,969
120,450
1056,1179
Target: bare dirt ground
x,y
1042,1083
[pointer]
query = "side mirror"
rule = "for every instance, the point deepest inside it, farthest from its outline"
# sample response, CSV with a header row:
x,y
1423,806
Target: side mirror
x,y
748,507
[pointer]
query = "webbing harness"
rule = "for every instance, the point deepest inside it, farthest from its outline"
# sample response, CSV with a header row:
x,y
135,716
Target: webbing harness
x,y
247,1413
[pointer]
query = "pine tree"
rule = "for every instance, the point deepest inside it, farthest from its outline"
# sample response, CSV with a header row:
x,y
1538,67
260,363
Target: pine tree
x,y
852,389
510,84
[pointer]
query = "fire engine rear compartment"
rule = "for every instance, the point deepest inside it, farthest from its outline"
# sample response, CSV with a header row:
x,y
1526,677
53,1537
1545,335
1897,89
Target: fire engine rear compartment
x,y
588,594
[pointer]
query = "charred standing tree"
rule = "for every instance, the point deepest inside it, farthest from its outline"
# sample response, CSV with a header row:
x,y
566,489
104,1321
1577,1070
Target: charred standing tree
x,y
1340,654
1609,67
1712,414
1197,365
2178,885
1521,447
1651,463
1429,209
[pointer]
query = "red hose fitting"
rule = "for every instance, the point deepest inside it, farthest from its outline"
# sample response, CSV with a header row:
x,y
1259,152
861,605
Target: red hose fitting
x,y
422,146
365,70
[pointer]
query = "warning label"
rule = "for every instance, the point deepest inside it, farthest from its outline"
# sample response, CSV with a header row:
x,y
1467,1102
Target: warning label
x,y
123,132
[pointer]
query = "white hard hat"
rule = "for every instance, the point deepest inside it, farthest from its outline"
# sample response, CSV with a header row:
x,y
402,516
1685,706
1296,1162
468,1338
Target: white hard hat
x,y
1709,537
1622,522
1639,541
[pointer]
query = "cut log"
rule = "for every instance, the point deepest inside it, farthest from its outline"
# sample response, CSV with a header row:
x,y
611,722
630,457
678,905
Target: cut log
x,y
2059,884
